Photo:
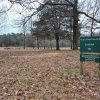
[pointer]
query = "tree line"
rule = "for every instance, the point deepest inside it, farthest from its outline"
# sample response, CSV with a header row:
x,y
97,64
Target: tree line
x,y
54,21
34,41
11,39
14,39
59,18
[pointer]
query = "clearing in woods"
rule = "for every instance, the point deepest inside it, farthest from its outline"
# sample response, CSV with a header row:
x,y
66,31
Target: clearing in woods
x,y
46,75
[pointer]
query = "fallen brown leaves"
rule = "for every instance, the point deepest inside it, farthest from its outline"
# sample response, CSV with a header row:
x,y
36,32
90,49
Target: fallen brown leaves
x,y
46,75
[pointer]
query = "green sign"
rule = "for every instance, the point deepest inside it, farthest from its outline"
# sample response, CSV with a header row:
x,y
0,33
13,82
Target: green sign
x,y
90,49
90,57
90,44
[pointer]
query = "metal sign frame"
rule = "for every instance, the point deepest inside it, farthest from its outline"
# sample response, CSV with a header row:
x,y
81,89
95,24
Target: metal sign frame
x,y
89,51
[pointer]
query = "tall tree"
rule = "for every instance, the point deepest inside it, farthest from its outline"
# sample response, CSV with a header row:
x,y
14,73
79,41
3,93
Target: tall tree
x,y
77,10
55,19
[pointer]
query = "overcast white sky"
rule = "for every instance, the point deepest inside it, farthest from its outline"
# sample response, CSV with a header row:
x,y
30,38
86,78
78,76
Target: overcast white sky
x,y
10,18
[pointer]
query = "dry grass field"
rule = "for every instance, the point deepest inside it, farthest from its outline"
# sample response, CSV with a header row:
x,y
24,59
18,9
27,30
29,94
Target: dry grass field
x,y
46,75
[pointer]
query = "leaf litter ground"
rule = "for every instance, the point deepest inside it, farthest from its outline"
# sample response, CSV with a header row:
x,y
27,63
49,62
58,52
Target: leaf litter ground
x,y
46,75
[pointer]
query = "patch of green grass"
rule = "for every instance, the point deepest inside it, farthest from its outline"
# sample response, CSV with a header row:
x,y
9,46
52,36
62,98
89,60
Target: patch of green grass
x,y
66,72
26,81
70,71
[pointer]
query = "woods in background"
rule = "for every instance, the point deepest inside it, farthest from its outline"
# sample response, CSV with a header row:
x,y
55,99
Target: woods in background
x,y
34,41
52,20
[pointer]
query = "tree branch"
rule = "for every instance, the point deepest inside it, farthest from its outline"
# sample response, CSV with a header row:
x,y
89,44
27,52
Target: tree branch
x,y
7,9
70,2
80,12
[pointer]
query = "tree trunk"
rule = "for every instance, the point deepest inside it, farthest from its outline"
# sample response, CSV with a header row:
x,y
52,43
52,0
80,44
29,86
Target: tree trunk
x,y
50,43
44,42
24,38
92,28
38,43
75,26
57,41
33,42
71,46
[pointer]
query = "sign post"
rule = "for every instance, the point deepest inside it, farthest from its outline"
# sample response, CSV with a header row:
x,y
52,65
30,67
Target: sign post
x,y
99,70
81,69
90,50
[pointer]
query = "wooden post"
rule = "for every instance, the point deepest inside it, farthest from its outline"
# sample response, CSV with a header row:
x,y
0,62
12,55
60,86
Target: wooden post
x,y
24,40
99,71
75,25
81,68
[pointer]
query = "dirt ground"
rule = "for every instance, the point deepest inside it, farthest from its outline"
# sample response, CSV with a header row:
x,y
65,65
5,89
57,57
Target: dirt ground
x,y
46,75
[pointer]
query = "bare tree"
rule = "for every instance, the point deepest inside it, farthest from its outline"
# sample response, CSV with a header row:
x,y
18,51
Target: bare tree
x,y
90,9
